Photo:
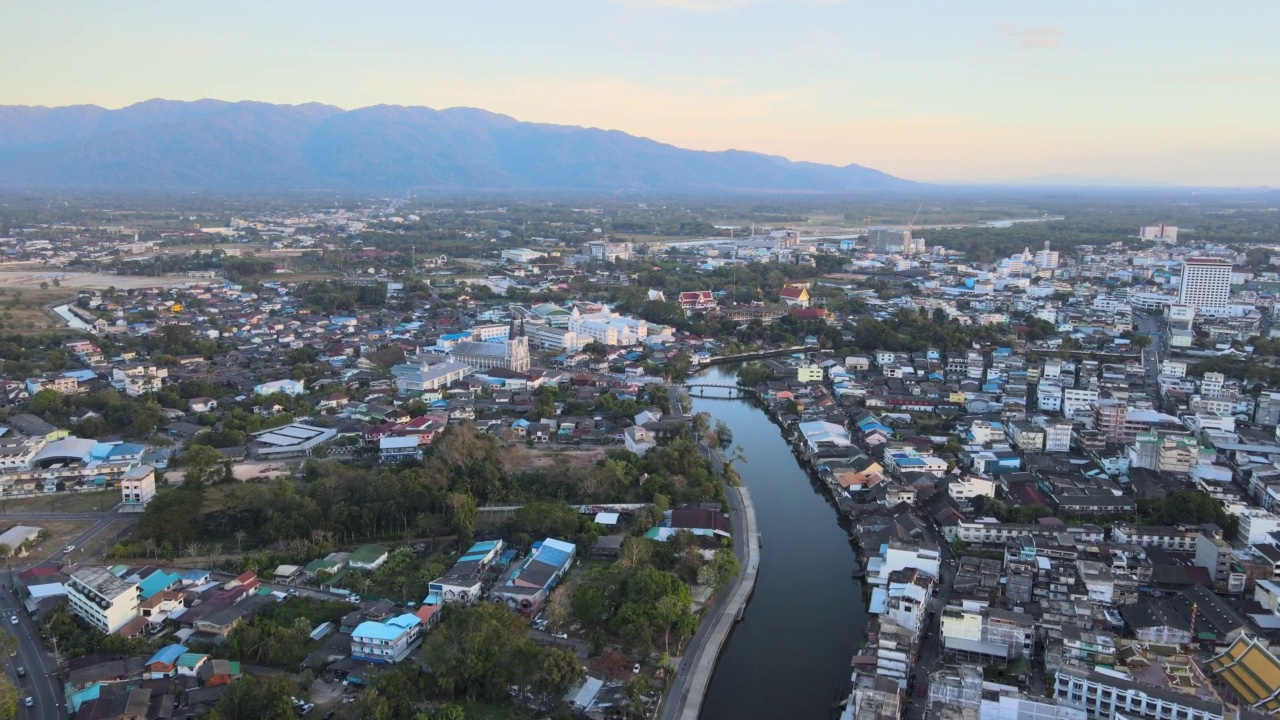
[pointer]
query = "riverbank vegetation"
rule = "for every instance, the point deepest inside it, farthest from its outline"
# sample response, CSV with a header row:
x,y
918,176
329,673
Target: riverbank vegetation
x,y
328,503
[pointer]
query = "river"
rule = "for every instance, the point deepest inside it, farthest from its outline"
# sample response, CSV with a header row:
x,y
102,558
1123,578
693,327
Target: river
x,y
789,657
73,322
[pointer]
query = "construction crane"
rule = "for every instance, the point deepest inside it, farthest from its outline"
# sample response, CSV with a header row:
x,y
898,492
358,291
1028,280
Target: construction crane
x,y
911,225
908,242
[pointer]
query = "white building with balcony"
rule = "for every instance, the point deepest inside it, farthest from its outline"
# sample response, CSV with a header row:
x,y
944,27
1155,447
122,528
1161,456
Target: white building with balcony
x,y
386,642
102,600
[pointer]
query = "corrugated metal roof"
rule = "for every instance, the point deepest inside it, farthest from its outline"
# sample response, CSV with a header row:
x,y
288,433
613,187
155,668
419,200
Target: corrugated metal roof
x,y
168,654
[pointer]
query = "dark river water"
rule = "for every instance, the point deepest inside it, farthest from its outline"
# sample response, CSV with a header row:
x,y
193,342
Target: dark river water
x,y
790,655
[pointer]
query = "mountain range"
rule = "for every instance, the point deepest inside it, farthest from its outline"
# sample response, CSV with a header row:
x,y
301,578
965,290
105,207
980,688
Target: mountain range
x,y
253,146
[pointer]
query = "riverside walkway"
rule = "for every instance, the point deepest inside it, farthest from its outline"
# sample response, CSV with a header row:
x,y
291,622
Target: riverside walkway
x,y
684,701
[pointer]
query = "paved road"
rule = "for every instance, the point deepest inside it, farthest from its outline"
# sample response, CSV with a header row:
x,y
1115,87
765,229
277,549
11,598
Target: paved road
x,y
41,682
930,645
55,516
674,392
102,521
672,706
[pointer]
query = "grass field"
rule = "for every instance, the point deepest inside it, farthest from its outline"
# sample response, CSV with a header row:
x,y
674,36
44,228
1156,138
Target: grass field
x,y
62,503
61,533
97,546
22,310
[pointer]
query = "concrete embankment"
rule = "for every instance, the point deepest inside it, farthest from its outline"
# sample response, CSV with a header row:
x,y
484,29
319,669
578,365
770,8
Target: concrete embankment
x,y
704,661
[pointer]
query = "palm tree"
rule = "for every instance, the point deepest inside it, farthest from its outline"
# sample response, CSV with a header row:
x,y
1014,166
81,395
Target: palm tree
x,y
192,549
240,535
149,546
363,583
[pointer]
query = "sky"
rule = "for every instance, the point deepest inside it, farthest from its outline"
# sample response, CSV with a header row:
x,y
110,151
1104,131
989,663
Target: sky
x,y
931,90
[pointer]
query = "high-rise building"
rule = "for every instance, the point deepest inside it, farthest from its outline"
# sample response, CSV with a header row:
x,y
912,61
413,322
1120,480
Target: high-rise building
x,y
1206,283
1047,259
889,240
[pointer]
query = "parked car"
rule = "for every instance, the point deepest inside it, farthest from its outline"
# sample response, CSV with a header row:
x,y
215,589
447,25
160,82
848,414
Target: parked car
x,y
13,619
560,636
635,669
353,599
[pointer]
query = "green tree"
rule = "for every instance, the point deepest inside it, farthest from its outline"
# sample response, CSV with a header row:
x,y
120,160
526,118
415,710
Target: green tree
x,y
725,567
636,688
462,517
477,653
202,465
449,712
8,698
753,374
591,604
662,312
679,365
256,698
44,402
558,672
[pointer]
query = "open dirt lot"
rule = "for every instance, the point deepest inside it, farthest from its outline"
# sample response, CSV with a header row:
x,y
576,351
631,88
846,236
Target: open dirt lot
x,y
72,281
61,533
248,470
518,457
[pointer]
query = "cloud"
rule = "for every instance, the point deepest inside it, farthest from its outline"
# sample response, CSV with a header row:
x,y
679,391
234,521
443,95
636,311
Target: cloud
x,y
1044,37
712,6
704,6
1228,78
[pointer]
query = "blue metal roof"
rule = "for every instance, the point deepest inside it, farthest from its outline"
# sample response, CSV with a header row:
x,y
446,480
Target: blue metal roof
x,y
168,654
155,582
385,631
553,556
125,449
879,599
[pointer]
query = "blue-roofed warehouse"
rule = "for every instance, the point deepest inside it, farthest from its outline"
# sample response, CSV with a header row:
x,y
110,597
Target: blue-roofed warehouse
x,y
525,586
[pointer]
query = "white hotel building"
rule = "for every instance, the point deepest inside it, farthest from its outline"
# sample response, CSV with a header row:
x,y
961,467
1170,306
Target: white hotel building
x,y
1206,283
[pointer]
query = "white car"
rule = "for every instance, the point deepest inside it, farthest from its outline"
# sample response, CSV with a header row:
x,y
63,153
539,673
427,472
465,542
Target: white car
x,y
68,549
560,636
29,702
13,619
635,669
